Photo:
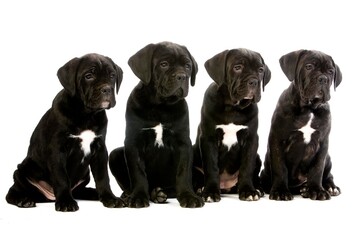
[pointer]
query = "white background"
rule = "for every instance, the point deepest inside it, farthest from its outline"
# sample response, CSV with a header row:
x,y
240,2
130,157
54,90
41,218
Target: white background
x,y
38,37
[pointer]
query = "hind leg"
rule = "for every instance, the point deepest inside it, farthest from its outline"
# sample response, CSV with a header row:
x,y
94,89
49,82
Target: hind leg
x,y
22,193
85,193
328,179
265,176
119,170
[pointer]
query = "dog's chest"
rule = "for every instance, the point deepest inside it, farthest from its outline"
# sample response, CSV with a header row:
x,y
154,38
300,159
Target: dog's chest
x,y
230,133
158,130
307,130
86,138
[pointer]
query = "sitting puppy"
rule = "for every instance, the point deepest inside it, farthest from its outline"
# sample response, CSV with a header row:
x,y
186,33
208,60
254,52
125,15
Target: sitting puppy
x,y
227,141
69,138
156,160
297,159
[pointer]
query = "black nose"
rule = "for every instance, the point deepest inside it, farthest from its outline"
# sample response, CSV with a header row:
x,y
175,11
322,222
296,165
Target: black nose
x,y
180,76
253,82
106,90
323,79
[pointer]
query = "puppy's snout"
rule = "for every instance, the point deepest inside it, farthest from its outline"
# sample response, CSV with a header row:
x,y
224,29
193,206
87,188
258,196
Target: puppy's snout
x,y
180,76
106,90
253,82
323,79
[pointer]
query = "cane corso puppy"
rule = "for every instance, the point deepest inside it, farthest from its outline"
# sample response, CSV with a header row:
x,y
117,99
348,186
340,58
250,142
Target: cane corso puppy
x,y
156,160
297,159
227,141
70,139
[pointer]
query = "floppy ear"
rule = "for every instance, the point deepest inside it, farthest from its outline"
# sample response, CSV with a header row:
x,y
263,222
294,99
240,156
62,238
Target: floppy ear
x,y
67,75
267,77
119,74
140,63
119,78
338,77
194,69
215,67
289,63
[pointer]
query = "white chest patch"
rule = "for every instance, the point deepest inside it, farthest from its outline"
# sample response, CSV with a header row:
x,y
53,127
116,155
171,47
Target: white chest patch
x,y
307,130
87,137
230,130
158,135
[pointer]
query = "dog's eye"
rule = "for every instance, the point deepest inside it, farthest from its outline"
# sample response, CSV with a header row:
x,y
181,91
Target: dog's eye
x,y
164,64
238,67
188,66
89,76
112,75
309,66
261,70
331,71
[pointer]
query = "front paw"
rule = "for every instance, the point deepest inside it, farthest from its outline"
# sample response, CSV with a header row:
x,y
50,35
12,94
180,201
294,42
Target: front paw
x,y
250,195
138,200
190,200
281,194
211,194
69,205
113,202
315,193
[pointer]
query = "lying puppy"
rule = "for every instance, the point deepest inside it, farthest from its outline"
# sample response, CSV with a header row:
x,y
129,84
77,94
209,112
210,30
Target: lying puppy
x,y
157,157
69,139
227,141
297,159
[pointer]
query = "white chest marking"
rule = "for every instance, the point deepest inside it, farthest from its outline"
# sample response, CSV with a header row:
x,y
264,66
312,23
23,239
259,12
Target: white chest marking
x,y
230,130
307,130
87,137
159,135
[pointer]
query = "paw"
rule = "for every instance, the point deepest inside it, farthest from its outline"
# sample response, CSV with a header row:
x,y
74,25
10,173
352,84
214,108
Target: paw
x,y
281,195
139,200
211,194
315,193
211,197
190,200
334,191
23,202
113,202
66,206
251,195
158,195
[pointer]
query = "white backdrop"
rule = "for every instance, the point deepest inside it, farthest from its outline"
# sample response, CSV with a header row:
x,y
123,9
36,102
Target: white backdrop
x,y
38,37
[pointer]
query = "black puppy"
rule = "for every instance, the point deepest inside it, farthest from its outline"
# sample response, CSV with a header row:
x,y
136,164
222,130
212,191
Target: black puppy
x,y
227,141
297,159
69,138
157,156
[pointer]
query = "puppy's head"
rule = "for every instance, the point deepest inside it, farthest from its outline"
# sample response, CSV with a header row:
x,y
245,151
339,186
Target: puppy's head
x,y
312,73
167,68
242,71
92,78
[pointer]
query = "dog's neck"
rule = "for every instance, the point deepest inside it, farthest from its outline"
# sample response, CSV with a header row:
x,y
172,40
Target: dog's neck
x,y
73,105
148,95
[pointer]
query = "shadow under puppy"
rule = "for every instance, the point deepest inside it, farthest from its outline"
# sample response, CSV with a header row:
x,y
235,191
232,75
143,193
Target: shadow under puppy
x,y
225,152
297,159
70,139
156,160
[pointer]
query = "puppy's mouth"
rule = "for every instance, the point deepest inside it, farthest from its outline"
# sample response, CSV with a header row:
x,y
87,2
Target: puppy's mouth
x,y
105,104
245,102
318,99
174,95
